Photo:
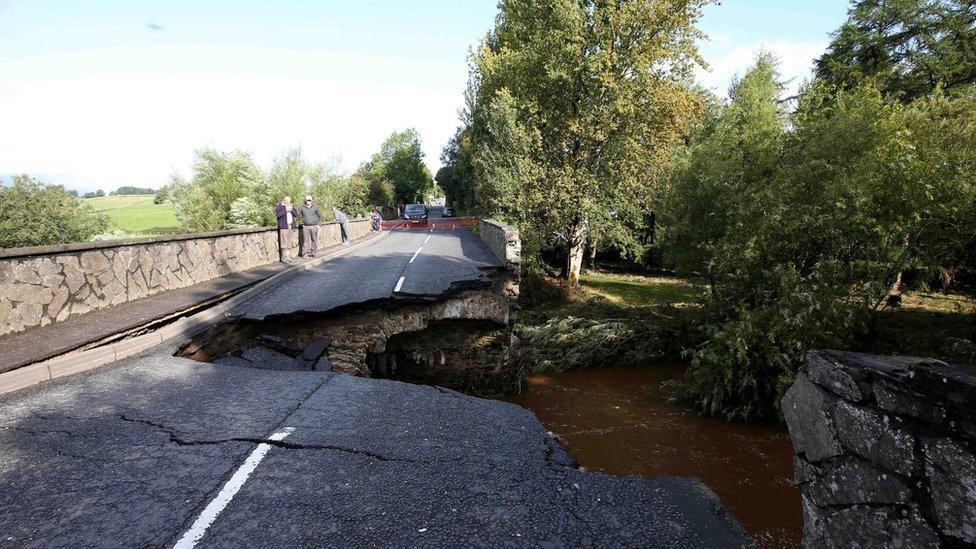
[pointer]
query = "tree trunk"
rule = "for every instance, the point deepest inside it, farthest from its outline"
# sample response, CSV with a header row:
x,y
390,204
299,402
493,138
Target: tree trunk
x,y
576,249
574,263
592,254
893,297
894,292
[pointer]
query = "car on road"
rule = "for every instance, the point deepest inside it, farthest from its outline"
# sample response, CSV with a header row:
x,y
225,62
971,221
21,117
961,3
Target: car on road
x,y
415,215
415,212
448,212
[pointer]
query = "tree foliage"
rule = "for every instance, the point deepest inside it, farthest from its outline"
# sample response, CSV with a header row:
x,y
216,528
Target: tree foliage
x,y
203,202
733,154
398,167
904,47
802,232
456,177
349,194
228,190
35,214
132,191
574,106
245,213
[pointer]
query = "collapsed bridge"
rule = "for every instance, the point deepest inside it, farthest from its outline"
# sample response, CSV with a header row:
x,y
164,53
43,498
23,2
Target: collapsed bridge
x,y
206,399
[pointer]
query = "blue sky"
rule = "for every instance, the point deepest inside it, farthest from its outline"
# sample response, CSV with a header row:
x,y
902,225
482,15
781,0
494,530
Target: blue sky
x,y
103,94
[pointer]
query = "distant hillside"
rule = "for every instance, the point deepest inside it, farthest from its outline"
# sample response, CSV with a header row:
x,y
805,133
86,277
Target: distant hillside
x,y
137,214
123,191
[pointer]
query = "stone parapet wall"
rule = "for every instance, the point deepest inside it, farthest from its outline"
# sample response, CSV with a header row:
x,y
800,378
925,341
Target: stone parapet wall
x,y
42,285
358,227
505,243
885,450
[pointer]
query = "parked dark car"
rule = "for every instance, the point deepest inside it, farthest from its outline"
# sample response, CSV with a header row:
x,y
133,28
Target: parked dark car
x,y
415,212
448,212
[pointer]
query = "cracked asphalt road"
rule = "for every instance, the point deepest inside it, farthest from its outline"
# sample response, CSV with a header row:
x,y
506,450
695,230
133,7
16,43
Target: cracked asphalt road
x,y
428,262
130,454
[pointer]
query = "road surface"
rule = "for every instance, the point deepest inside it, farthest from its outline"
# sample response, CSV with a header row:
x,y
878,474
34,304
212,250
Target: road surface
x,y
414,262
137,454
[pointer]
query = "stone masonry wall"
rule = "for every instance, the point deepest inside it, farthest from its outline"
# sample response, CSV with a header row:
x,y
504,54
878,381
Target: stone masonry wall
x,y
505,244
885,450
42,285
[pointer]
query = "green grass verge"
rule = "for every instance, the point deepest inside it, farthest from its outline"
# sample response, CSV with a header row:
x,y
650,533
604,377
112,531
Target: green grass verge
x,y
641,290
137,214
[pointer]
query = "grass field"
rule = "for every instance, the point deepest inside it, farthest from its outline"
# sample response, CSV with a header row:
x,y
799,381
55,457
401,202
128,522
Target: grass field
x,y
137,214
632,290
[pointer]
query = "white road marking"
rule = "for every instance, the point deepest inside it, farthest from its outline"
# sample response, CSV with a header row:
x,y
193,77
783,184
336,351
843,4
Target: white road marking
x,y
227,493
426,239
399,285
415,254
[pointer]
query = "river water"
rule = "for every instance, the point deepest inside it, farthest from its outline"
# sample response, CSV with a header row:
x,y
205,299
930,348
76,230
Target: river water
x,y
618,421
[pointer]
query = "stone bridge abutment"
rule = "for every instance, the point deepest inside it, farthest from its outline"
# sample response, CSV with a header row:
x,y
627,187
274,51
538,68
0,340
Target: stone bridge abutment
x,y
886,450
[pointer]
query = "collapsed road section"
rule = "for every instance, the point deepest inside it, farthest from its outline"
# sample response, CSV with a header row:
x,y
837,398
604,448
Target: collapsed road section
x,y
259,442
433,307
462,342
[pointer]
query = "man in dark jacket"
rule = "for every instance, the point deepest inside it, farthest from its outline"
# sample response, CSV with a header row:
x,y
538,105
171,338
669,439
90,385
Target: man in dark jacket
x,y
287,221
311,217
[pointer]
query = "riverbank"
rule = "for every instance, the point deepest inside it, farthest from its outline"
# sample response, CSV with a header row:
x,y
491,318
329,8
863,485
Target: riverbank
x,y
625,318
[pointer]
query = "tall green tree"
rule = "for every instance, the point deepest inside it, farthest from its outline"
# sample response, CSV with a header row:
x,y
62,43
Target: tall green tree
x,y
575,106
732,156
457,177
35,214
904,47
398,164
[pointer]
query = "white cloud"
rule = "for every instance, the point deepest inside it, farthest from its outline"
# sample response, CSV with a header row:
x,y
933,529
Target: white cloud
x,y
795,63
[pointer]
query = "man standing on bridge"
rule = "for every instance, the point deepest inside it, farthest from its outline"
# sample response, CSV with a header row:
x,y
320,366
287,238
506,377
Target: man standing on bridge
x,y
311,217
344,223
287,219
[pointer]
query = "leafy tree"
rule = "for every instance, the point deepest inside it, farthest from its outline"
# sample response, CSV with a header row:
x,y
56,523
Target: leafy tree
x,y
94,194
290,175
380,191
162,195
905,47
203,202
457,177
574,107
349,194
245,213
411,178
815,225
35,214
732,155
398,164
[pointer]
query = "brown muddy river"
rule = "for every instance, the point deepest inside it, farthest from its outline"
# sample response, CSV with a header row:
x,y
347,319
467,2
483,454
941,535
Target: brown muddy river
x,y
617,421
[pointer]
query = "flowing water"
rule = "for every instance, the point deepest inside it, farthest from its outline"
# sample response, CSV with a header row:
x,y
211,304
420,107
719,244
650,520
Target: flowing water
x,y
618,421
